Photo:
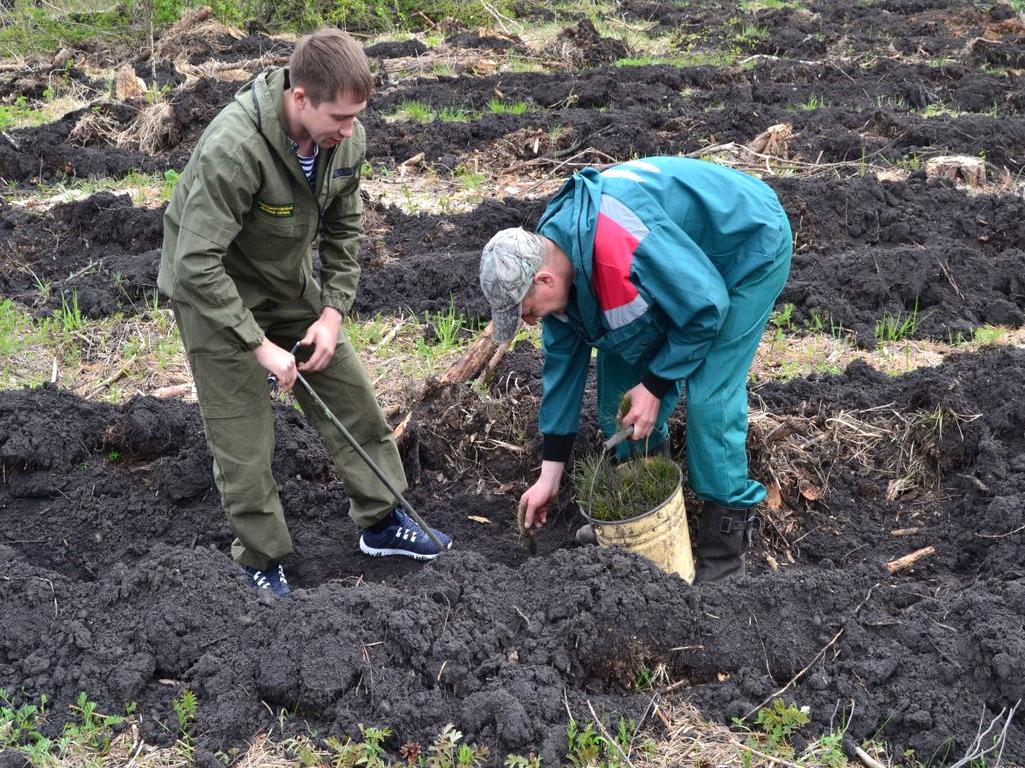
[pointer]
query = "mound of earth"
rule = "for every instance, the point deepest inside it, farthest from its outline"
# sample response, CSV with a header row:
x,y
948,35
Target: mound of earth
x,y
486,637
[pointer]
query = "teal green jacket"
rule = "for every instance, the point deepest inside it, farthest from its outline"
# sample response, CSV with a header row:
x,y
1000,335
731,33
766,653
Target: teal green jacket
x,y
241,222
656,246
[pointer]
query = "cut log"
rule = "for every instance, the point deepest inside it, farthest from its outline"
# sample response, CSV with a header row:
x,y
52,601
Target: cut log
x,y
958,168
473,360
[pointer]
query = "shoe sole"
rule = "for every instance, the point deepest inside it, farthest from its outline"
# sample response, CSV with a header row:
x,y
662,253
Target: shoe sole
x,y
366,550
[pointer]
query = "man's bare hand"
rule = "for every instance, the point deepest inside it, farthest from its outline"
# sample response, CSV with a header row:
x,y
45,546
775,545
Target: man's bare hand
x,y
322,336
643,412
536,500
278,362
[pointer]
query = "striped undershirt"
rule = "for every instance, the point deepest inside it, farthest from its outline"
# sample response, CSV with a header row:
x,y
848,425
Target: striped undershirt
x,y
309,166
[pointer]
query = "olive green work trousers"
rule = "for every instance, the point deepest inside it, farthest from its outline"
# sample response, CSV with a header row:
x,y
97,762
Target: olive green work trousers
x,y
235,403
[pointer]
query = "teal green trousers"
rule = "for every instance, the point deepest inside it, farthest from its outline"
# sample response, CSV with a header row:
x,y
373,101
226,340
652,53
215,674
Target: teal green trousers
x,y
716,393
235,403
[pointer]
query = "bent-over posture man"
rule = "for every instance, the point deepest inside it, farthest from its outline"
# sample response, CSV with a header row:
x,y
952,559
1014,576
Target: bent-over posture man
x,y
278,168
670,268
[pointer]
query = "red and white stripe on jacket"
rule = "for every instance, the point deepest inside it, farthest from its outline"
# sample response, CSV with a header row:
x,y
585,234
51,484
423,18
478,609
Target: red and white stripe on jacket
x,y
618,234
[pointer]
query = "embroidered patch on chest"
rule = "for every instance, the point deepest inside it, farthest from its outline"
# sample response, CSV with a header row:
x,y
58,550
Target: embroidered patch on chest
x,y
342,173
285,210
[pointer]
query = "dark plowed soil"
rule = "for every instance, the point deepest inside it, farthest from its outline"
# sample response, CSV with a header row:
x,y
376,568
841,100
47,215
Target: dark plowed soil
x,y
865,106
865,250
114,577
102,250
121,582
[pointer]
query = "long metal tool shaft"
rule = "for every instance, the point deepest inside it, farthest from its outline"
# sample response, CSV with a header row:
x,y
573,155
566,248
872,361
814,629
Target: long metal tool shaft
x,y
370,463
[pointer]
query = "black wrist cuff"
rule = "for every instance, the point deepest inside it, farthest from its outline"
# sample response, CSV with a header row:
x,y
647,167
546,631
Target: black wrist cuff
x,y
557,447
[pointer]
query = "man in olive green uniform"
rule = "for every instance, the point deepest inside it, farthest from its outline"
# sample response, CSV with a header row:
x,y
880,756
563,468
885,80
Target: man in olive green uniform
x,y
277,168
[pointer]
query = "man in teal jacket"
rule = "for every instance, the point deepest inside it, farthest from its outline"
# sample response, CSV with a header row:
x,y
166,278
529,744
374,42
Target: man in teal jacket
x,y
670,268
278,168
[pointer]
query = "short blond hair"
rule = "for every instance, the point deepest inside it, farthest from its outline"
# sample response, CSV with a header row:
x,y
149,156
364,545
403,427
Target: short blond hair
x,y
329,64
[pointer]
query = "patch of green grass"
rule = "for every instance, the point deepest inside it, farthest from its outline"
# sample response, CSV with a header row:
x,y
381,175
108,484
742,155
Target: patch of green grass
x,y
410,109
445,329
891,328
910,162
20,115
366,333
456,115
498,107
469,179
171,177
709,58
37,29
753,6
990,334
812,104
937,109
16,328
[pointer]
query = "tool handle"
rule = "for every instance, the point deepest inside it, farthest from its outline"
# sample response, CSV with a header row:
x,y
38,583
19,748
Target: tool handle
x,y
617,438
272,380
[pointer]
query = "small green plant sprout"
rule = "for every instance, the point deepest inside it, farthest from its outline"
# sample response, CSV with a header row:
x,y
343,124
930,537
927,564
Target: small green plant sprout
x,y
522,761
898,327
447,751
185,706
782,320
20,724
368,753
779,721
584,747
113,455
94,729
446,329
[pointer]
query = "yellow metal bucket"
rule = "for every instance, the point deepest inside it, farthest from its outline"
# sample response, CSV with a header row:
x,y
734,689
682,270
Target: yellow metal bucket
x,y
661,535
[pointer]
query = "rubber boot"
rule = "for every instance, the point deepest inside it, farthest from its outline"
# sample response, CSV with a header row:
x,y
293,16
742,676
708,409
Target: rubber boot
x,y
586,535
722,539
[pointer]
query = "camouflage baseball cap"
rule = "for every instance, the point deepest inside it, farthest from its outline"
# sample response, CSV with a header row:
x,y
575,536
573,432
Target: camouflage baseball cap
x,y
507,268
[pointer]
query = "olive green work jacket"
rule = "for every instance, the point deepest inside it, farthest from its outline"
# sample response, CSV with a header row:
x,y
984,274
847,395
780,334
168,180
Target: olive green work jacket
x,y
242,219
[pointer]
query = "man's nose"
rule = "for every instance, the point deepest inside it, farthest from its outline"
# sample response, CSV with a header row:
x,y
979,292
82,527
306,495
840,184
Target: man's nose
x,y
346,129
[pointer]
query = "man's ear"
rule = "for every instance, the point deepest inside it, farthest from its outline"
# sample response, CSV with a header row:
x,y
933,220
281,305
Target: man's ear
x,y
543,277
299,97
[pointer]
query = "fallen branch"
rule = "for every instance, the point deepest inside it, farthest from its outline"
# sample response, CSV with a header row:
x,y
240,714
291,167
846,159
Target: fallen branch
x,y
902,532
903,563
176,390
867,759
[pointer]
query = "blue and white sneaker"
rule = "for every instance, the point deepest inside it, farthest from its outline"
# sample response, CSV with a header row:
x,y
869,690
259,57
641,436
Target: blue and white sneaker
x,y
399,534
273,580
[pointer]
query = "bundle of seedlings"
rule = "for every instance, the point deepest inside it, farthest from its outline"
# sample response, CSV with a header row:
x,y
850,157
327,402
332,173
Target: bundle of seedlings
x,y
610,492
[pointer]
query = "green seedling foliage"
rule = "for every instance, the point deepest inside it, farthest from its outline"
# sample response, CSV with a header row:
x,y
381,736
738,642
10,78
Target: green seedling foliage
x,y
522,761
611,492
368,753
779,721
782,320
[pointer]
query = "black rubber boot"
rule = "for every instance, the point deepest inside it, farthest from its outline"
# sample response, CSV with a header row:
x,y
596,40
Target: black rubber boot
x,y
722,539
586,535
